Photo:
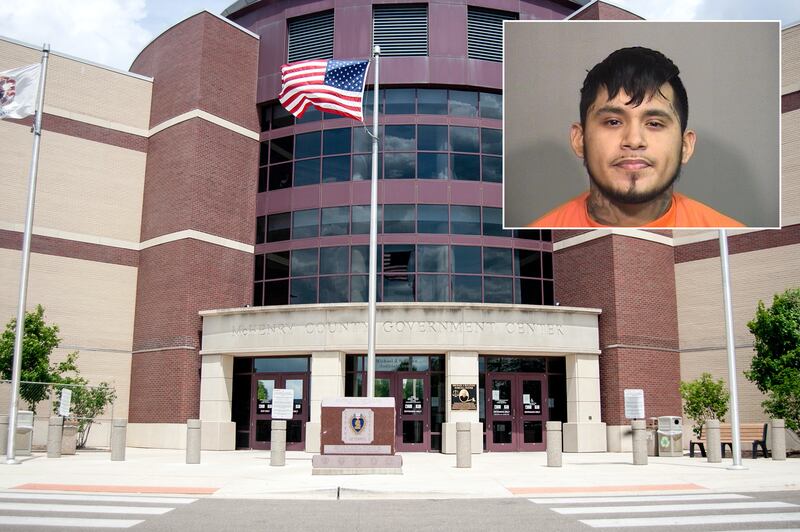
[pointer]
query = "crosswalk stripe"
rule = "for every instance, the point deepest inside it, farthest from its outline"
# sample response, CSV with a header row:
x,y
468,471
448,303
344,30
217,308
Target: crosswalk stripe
x,y
83,508
18,495
684,520
641,498
714,506
63,522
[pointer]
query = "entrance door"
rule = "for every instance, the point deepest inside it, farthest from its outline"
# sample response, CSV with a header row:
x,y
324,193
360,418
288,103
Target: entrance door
x,y
515,411
412,406
261,409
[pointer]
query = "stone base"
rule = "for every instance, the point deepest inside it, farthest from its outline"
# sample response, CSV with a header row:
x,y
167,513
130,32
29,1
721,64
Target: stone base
x,y
313,436
620,438
449,438
338,464
584,437
218,435
214,435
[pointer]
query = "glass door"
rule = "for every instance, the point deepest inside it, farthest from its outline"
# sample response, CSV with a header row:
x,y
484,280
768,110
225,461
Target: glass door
x,y
515,413
500,413
264,385
530,424
413,411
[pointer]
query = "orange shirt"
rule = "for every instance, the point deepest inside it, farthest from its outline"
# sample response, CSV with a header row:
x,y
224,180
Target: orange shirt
x,y
684,212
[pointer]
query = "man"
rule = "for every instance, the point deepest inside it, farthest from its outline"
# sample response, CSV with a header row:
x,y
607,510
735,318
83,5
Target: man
x,y
633,140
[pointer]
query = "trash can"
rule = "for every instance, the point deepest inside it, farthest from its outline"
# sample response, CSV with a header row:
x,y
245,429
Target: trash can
x,y
652,437
670,436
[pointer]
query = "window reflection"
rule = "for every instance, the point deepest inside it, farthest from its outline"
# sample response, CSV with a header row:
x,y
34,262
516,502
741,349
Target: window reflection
x,y
432,218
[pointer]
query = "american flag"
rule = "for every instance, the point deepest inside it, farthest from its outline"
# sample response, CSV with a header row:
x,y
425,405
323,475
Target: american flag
x,y
329,85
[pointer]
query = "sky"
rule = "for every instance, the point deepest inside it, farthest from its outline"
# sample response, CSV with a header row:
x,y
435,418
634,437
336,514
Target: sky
x,y
113,32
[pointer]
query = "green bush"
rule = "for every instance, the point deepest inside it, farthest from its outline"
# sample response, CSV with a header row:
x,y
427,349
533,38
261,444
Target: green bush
x,y
704,399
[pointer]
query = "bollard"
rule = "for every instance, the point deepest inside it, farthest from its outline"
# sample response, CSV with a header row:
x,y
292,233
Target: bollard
x,y
553,443
277,454
54,436
119,428
778,427
463,444
193,441
639,441
713,444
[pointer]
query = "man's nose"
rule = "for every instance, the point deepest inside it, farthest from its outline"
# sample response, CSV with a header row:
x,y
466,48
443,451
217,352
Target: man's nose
x,y
633,137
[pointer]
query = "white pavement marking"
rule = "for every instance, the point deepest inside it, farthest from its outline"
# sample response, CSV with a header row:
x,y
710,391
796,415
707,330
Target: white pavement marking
x,y
93,498
641,498
712,506
62,522
692,520
83,508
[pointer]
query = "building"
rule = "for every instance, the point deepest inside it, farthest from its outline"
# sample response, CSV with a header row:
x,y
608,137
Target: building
x,y
201,247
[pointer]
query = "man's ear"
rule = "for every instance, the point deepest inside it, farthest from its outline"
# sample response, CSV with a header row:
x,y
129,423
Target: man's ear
x,y
687,147
576,139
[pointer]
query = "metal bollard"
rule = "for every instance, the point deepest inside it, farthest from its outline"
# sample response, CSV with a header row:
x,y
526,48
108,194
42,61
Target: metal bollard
x,y
639,441
463,444
778,427
119,428
554,445
193,441
54,428
713,448
277,454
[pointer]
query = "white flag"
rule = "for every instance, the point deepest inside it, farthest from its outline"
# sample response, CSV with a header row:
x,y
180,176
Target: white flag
x,y
18,89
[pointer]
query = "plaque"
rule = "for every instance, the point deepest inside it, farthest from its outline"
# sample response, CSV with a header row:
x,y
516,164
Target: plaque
x,y
462,397
634,404
358,425
500,407
282,403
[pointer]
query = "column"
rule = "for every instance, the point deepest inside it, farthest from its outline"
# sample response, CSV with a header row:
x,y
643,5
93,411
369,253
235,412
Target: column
x,y
327,380
461,367
218,432
583,431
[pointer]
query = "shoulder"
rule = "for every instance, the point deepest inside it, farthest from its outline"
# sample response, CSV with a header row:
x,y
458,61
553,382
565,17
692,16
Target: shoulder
x,y
569,214
692,213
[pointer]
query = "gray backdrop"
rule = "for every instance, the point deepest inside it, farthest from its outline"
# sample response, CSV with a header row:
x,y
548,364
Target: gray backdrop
x,y
731,73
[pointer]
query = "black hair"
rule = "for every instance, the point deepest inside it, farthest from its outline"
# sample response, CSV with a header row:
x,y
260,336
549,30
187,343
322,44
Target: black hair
x,y
638,71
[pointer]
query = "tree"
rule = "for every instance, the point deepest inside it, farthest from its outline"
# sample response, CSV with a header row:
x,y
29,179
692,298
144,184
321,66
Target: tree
x,y
38,343
775,368
86,404
704,399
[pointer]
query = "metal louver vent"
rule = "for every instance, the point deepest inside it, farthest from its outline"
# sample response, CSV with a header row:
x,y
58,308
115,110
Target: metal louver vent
x,y
400,30
485,33
311,37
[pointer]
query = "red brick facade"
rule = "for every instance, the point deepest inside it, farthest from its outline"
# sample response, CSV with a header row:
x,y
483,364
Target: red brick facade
x,y
61,247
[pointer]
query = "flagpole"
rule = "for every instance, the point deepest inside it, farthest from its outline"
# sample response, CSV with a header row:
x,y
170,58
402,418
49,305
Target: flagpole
x,y
373,234
19,333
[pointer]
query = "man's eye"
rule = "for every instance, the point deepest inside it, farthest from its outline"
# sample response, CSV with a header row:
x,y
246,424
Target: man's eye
x,y
612,122
655,124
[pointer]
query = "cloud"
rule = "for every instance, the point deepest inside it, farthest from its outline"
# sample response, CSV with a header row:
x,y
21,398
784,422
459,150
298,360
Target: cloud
x,y
109,32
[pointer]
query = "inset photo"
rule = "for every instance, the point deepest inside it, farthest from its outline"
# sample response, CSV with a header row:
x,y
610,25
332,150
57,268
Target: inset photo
x,y
641,124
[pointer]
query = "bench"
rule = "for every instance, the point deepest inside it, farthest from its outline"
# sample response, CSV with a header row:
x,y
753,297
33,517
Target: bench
x,y
755,433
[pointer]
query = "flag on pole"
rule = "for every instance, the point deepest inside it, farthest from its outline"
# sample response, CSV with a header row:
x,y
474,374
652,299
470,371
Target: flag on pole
x,y
18,89
330,85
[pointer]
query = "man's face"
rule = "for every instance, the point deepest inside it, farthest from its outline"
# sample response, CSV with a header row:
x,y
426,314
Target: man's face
x,y
632,154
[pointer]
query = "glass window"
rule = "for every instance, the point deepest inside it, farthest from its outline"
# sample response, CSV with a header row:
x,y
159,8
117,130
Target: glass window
x,y
307,145
310,115
369,100
280,150
492,169
433,138
392,363
336,168
305,224
334,289
466,167
492,141
278,227
258,269
548,297
334,259
281,117
432,101
400,165
280,176
432,218
335,221
432,258
400,138
398,288
281,365
359,259
276,292
527,234
547,235
306,172
463,103
497,261
277,265
466,259
304,262
359,289
527,291
491,105
400,101
547,265
498,289
362,141
362,167
433,288
336,141
467,288
263,153
261,225
464,139
303,291
398,258
263,173
528,263
432,165
399,218
360,220
258,294
465,220
265,117
493,222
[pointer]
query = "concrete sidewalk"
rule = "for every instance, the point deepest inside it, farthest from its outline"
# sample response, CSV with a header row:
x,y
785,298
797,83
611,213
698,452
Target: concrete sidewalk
x,y
247,474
